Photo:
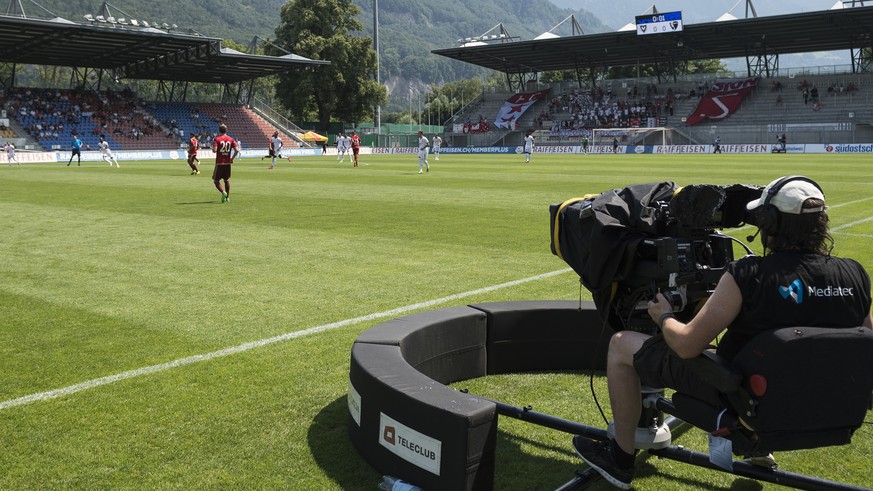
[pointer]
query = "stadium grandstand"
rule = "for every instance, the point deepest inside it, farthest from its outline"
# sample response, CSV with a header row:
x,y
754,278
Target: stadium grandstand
x,y
98,102
812,104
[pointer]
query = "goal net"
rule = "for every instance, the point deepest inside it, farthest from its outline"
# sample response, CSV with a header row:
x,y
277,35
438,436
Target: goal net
x,y
632,136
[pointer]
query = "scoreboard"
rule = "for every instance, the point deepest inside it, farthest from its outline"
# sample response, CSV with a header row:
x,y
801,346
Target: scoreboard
x,y
659,23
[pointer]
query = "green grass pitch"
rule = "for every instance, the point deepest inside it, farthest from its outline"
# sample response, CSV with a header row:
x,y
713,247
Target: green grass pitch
x,y
109,271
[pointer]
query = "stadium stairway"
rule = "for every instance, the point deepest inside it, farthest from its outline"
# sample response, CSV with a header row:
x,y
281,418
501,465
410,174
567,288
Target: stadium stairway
x,y
244,125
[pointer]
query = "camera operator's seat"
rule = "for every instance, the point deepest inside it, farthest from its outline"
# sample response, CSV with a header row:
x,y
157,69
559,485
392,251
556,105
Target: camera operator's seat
x,y
787,389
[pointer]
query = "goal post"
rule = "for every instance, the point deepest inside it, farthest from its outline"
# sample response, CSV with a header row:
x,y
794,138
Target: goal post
x,y
658,135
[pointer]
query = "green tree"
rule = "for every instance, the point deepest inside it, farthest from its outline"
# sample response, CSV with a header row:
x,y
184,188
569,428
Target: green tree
x,y
649,70
446,100
346,90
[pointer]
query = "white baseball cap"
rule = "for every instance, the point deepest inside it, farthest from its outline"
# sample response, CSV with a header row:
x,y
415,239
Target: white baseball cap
x,y
790,196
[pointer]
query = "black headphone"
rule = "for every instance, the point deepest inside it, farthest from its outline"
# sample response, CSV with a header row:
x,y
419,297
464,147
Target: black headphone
x,y
768,221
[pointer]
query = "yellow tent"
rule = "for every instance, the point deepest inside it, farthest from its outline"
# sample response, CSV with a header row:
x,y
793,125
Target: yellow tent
x,y
312,136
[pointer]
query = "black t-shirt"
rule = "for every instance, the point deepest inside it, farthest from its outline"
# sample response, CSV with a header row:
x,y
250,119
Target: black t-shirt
x,y
795,288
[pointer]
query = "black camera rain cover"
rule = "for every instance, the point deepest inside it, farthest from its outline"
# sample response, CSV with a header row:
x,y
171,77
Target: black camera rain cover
x,y
594,235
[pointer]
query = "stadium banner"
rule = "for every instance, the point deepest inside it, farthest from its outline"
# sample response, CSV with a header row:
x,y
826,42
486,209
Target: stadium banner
x,y
677,149
205,155
748,148
552,149
477,150
723,98
515,106
606,149
443,150
30,157
759,148
92,156
640,149
797,148
847,148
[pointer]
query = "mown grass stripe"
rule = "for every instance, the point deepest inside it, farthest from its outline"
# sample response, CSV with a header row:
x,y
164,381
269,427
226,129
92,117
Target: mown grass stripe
x,y
97,382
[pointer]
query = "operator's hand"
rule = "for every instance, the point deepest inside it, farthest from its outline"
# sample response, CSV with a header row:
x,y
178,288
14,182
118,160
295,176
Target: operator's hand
x,y
658,307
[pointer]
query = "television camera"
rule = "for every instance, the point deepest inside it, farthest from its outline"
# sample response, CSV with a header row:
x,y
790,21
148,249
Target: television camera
x,y
629,244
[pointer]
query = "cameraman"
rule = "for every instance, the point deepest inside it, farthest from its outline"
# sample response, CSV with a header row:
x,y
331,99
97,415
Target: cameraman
x,y
755,294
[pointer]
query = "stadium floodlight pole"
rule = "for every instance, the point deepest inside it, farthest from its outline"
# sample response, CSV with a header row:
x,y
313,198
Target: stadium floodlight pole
x,y
378,63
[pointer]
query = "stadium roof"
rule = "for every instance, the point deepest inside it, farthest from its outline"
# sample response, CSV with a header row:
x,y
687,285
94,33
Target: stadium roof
x,y
135,52
826,30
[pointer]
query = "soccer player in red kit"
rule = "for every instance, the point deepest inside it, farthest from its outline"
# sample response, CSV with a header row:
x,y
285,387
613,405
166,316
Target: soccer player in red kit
x,y
193,145
356,146
226,149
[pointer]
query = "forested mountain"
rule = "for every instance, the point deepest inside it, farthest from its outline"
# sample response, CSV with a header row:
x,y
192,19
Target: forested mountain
x,y
409,29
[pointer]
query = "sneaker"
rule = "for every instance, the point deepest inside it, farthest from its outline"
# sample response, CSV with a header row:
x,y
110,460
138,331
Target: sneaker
x,y
427,166
270,168
599,456
227,199
419,171
198,172
766,461
193,172
223,197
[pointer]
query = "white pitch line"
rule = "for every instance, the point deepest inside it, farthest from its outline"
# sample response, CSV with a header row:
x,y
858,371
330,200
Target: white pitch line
x,y
852,224
97,382
747,227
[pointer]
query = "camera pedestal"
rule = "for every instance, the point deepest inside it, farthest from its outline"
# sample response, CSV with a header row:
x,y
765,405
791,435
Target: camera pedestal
x,y
652,432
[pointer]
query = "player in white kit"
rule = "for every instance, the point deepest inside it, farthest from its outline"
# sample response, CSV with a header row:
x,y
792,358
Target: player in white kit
x,y
103,145
422,152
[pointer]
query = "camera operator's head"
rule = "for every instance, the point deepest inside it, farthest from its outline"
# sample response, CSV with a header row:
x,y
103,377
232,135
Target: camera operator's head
x,y
791,215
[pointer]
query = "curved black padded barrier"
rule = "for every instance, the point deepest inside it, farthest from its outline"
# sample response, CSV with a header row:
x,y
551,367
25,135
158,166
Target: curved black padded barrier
x,y
406,423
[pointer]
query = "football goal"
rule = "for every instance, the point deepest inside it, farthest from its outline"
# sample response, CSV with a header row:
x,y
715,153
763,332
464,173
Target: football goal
x,y
632,136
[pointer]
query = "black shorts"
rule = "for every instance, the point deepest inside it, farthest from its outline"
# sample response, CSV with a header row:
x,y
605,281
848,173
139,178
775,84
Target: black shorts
x,y
76,151
658,366
271,153
221,172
